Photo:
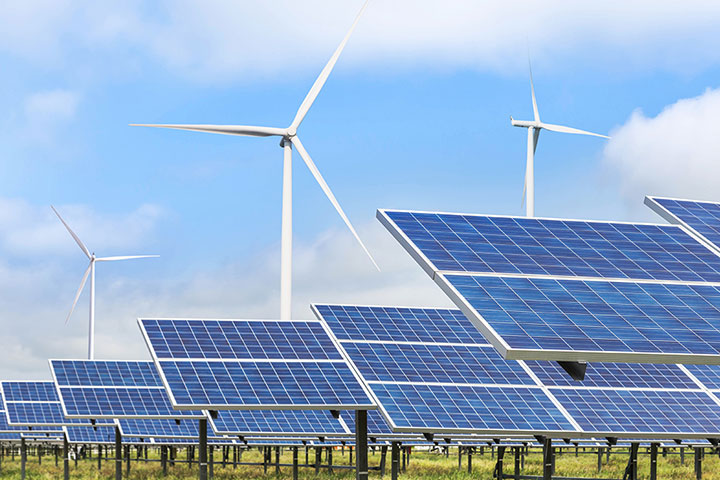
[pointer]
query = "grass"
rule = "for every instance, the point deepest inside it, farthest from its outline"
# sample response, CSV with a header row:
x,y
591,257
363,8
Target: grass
x,y
423,466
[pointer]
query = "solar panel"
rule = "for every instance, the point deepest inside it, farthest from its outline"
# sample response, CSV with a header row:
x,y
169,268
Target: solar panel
x,y
161,428
278,422
590,278
647,412
97,389
97,435
563,319
35,404
509,245
702,218
252,364
468,388
5,427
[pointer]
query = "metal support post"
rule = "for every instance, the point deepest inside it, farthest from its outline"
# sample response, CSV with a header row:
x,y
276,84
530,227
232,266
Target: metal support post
x,y
361,455
394,460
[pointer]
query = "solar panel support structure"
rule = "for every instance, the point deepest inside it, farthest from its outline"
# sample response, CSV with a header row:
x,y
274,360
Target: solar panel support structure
x,y
361,455
698,463
631,471
576,370
202,457
66,458
653,461
547,458
295,463
394,460
118,454
23,458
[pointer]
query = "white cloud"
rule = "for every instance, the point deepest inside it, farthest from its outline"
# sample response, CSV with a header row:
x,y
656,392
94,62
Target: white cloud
x,y
218,39
672,154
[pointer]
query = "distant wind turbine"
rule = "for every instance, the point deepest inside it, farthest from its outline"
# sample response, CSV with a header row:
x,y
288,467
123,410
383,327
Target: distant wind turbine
x,y
91,271
289,137
534,127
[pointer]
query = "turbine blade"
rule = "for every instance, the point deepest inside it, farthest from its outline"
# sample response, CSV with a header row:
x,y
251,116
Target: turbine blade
x,y
563,129
79,291
321,181
243,130
324,74
536,113
77,239
124,257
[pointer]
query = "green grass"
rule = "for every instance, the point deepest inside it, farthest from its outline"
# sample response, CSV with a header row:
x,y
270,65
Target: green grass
x,y
423,466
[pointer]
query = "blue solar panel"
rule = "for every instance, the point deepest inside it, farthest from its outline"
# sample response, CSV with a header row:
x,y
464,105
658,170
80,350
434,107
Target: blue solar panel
x,y
254,364
641,411
113,389
248,339
376,423
39,413
708,375
384,324
104,373
485,244
161,427
703,218
470,408
236,384
615,375
418,363
90,434
100,402
597,316
277,422
29,391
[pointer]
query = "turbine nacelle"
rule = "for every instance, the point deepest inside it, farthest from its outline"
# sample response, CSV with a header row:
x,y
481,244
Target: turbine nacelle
x,y
526,123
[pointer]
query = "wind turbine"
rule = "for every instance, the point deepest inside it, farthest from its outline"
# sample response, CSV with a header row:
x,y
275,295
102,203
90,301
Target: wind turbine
x,y
288,139
91,271
534,126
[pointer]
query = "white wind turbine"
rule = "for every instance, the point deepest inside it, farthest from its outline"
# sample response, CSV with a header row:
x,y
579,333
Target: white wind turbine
x,y
534,126
289,137
91,271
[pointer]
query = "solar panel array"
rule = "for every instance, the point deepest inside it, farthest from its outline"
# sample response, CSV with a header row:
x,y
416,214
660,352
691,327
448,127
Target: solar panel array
x,y
97,389
252,364
35,404
447,387
701,218
543,289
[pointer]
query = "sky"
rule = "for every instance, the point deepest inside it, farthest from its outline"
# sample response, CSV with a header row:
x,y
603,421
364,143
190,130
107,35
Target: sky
x,y
414,116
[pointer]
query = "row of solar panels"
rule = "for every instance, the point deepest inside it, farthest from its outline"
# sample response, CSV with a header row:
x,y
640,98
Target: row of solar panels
x,y
537,290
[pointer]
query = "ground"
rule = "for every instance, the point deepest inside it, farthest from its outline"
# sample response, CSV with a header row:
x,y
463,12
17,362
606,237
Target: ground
x,y
423,466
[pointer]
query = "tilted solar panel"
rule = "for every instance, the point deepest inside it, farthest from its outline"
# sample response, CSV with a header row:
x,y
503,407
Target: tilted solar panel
x,y
555,247
438,387
702,218
35,404
162,428
252,364
570,290
97,389
278,422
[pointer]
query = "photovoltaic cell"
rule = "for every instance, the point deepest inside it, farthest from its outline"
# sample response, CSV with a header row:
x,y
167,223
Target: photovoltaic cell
x,y
236,384
702,218
470,408
395,324
709,375
277,422
392,362
615,375
544,314
113,389
253,339
487,244
73,373
252,364
623,411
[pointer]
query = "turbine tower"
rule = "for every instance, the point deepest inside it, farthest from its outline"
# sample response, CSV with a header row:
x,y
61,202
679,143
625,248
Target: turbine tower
x,y
288,139
534,126
91,272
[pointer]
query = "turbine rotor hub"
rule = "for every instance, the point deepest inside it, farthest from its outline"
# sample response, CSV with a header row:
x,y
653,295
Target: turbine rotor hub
x,y
291,132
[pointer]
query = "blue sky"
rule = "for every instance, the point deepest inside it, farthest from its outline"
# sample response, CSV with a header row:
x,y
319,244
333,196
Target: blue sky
x,y
415,115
